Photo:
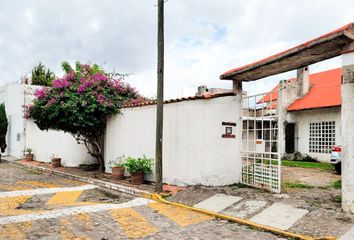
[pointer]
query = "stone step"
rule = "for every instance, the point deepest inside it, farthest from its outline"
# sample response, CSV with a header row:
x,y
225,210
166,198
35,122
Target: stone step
x,y
279,215
245,209
218,202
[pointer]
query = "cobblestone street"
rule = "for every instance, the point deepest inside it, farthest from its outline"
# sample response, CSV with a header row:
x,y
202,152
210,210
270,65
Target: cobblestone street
x,y
42,206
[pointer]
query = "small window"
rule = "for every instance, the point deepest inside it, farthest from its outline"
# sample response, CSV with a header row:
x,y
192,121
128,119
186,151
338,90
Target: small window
x,y
322,137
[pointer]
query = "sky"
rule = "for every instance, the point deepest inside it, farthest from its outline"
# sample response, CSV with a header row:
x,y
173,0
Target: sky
x,y
203,38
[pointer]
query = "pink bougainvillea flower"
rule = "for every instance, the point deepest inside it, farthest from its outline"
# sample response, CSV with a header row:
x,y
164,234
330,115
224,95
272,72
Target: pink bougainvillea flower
x,y
51,101
81,89
40,92
101,98
99,77
60,83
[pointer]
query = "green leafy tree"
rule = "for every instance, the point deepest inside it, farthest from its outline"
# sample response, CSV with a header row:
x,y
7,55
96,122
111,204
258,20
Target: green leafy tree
x,y
80,103
3,127
42,76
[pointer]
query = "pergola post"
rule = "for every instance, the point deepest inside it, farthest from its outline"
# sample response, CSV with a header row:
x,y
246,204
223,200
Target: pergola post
x,y
282,96
237,89
347,122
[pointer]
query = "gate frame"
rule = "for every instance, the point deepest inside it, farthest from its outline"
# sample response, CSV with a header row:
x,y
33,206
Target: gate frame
x,y
266,173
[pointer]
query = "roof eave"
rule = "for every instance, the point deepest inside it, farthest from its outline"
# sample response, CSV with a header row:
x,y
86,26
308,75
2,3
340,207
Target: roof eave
x,y
327,46
313,108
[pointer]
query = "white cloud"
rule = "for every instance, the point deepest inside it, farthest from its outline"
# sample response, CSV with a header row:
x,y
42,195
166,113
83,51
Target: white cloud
x,y
204,38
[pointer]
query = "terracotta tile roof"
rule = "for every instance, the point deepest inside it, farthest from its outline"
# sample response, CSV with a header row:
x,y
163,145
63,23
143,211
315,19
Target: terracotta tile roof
x,y
325,91
205,96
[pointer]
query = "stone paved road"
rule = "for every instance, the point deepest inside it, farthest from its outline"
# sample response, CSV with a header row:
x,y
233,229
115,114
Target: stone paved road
x,y
42,206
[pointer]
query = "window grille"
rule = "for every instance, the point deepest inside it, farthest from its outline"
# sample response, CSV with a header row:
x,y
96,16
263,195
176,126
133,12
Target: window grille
x,y
322,137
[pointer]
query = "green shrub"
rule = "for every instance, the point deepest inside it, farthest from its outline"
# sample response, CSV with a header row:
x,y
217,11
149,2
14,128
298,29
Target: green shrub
x,y
301,157
42,76
3,127
28,151
308,158
138,165
297,156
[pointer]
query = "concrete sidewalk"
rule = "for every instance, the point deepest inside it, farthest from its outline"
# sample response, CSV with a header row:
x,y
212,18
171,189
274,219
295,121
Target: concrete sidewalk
x,y
292,211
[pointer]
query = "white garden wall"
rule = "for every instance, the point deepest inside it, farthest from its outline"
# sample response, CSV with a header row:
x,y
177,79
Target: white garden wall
x,y
13,97
63,145
303,120
194,151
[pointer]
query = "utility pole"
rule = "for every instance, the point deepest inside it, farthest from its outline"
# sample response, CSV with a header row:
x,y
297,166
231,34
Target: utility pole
x,y
159,105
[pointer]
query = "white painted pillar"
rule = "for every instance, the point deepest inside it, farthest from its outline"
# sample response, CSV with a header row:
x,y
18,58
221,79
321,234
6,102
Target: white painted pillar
x,y
347,119
282,116
237,89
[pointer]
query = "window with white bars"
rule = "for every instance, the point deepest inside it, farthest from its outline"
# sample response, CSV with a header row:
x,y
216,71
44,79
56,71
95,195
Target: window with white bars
x,y
322,136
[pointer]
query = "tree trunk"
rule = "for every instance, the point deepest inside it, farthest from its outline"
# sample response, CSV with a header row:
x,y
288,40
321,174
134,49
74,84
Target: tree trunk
x,y
95,147
101,153
100,160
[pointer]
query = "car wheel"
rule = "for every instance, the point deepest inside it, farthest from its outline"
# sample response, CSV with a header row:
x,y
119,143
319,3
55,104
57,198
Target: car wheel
x,y
338,168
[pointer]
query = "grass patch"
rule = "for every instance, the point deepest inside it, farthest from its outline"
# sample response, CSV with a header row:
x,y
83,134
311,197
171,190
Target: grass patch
x,y
316,165
337,199
337,184
34,172
297,185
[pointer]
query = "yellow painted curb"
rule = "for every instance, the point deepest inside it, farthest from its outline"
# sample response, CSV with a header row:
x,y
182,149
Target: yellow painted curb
x,y
251,224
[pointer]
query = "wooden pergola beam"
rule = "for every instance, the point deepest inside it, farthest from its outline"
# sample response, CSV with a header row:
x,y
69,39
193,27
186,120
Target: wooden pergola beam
x,y
324,47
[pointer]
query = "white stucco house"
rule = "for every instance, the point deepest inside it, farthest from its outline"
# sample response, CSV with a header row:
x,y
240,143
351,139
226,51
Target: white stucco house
x,y
313,113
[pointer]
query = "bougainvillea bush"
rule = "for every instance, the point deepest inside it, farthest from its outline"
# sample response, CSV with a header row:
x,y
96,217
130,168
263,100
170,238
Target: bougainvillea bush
x,y
80,103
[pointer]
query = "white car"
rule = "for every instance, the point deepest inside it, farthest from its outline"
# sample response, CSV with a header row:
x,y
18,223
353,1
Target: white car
x,y
336,158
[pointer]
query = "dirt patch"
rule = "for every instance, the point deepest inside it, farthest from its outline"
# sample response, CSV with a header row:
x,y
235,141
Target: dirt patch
x,y
104,196
309,176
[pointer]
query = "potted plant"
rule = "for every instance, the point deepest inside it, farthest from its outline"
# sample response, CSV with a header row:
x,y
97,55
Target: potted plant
x,y
137,168
118,169
29,154
56,162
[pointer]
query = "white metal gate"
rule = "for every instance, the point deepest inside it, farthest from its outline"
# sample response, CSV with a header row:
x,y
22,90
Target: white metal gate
x,y
261,164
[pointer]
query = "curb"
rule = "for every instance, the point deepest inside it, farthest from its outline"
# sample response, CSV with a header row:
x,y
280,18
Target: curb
x,y
251,224
100,183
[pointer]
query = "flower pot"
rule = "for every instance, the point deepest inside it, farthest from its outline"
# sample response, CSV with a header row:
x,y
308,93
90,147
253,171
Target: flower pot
x,y
118,173
137,178
29,157
56,162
